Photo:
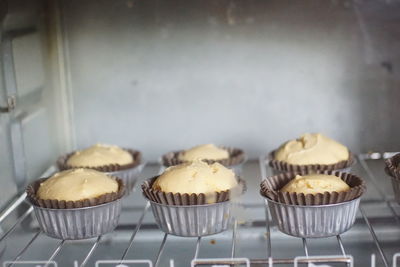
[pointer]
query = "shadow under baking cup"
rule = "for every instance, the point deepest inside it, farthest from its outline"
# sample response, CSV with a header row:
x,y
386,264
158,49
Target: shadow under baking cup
x,y
193,220
314,221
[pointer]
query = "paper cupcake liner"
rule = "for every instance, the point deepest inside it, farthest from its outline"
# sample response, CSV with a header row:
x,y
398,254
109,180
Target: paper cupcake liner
x,y
270,189
393,166
236,157
178,199
62,204
284,166
71,220
136,155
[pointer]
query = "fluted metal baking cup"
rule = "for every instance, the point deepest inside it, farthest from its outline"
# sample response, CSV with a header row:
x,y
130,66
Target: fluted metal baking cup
x,y
193,220
314,221
270,188
79,223
136,155
395,184
236,157
62,204
77,219
393,166
176,199
284,166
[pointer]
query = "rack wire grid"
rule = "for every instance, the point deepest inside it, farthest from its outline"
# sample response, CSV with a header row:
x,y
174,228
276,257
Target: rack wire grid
x,y
252,240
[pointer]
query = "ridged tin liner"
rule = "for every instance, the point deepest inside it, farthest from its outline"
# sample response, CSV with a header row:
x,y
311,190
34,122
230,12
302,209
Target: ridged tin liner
x,y
193,220
270,188
319,215
281,166
236,158
129,173
189,215
314,221
73,220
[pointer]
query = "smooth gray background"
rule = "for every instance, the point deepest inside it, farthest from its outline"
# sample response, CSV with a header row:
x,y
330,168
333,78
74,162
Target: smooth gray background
x,y
165,75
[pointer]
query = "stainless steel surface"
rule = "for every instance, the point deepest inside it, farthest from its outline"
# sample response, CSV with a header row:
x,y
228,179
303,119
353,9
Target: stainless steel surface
x,y
314,221
257,73
79,223
195,220
248,241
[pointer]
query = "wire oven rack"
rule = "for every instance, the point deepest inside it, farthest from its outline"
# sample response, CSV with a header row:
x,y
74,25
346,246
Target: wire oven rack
x,y
265,259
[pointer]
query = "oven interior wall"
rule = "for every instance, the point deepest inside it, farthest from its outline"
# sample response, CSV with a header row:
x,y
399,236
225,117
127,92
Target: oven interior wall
x,y
160,76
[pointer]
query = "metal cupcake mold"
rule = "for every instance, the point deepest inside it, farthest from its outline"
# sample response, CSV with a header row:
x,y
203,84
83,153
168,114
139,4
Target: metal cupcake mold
x,y
79,223
347,170
193,220
276,171
128,176
314,221
280,166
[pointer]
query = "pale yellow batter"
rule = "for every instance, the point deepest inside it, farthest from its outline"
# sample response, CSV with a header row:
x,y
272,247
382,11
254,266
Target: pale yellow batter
x,y
196,177
312,149
209,151
315,183
77,184
100,155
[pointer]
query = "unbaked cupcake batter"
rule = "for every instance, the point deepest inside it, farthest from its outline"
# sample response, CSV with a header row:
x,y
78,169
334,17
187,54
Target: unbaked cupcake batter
x,y
208,151
315,183
312,148
100,155
196,177
77,184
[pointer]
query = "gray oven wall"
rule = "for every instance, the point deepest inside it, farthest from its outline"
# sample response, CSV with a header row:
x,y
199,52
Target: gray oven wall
x,y
164,75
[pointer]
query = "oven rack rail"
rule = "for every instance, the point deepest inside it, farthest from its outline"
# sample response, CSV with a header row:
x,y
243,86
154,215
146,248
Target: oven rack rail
x,y
269,260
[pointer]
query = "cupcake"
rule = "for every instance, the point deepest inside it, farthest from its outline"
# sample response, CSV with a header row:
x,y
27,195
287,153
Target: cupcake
x,y
321,204
393,170
311,152
232,158
193,198
123,163
77,203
